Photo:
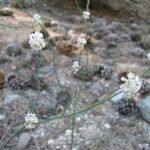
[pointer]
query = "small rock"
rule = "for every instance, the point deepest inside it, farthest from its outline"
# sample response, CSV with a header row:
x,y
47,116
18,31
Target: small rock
x,y
13,50
136,37
108,126
114,26
146,41
144,108
111,45
117,98
24,140
134,26
112,37
46,105
97,88
46,70
6,12
11,98
99,23
54,23
4,60
63,98
138,52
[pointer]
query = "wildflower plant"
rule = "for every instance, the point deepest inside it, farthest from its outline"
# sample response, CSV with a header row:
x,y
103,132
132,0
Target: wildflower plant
x,y
76,67
81,42
37,18
86,15
31,120
36,41
131,86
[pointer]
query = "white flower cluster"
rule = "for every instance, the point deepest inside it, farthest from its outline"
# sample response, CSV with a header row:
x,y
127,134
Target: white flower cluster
x,y
76,66
81,42
131,85
86,15
37,18
36,41
31,120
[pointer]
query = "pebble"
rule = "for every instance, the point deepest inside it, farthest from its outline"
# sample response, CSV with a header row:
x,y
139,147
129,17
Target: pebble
x,y
51,142
54,23
24,140
46,105
144,108
115,25
134,26
46,70
108,126
97,88
11,98
112,37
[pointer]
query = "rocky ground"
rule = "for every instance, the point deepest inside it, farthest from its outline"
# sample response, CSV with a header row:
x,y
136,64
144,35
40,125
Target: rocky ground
x,y
115,45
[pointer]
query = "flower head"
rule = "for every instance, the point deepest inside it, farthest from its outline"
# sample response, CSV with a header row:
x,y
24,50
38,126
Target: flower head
x,y
36,41
86,15
131,85
81,42
76,66
31,120
37,18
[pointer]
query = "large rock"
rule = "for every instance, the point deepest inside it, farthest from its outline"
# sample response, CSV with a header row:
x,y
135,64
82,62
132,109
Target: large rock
x,y
144,107
24,140
124,7
138,8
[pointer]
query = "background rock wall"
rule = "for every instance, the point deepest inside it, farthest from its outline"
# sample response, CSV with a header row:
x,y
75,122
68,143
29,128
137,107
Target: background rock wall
x,y
121,8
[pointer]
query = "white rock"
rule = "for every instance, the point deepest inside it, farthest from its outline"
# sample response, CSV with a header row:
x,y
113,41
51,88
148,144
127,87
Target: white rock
x,y
23,141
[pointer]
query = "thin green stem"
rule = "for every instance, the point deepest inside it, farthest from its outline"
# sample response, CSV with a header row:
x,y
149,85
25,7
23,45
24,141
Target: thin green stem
x,y
78,84
55,67
54,61
87,6
78,6
8,26
38,81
